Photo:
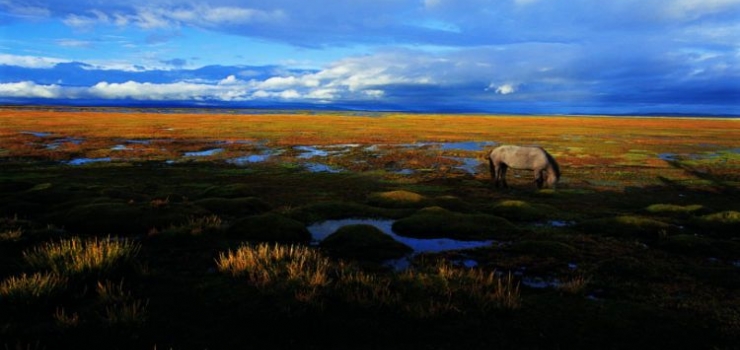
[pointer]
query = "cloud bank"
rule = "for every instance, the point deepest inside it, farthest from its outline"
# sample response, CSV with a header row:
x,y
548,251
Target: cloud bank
x,y
477,55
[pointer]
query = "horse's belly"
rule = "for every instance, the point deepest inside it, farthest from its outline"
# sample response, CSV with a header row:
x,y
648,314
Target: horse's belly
x,y
520,165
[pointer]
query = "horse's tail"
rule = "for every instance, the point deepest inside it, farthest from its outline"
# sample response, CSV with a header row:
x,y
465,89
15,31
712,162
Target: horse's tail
x,y
553,169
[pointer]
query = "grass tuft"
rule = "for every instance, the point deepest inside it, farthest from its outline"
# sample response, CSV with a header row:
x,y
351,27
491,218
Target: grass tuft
x,y
83,257
29,289
281,267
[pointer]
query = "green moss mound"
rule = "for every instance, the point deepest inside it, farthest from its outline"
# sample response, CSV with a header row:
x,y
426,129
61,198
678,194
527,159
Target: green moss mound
x,y
397,199
674,210
436,222
628,226
234,206
104,218
725,224
518,210
229,191
173,214
694,245
544,249
364,242
334,210
453,203
270,228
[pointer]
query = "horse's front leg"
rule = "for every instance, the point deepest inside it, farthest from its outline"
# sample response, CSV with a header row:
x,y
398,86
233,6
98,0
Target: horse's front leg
x,y
539,179
502,175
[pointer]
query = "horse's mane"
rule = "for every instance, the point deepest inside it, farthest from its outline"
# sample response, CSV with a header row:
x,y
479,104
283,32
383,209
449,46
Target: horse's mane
x,y
553,163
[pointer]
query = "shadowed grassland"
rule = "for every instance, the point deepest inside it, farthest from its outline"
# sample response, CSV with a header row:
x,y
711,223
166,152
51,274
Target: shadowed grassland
x,y
144,230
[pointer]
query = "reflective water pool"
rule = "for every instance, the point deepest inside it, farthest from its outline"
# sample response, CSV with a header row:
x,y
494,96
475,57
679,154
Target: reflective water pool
x,y
323,229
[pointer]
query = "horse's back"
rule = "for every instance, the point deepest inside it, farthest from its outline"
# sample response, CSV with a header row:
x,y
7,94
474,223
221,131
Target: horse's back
x,y
519,157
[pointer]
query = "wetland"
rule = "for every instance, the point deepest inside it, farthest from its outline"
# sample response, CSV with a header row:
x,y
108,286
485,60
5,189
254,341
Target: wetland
x,y
139,229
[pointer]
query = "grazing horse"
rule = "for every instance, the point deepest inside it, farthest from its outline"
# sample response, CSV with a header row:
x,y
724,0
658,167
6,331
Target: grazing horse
x,y
526,158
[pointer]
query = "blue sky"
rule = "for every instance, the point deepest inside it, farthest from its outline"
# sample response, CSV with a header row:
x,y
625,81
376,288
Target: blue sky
x,y
526,56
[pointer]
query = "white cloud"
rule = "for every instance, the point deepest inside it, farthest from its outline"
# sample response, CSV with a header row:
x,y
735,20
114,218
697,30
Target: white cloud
x,y
690,9
155,17
432,3
24,9
525,2
505,89
75,43
28,89
230,80
30,61
148,91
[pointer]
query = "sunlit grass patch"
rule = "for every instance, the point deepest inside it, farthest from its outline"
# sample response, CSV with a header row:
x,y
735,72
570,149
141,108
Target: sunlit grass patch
x,y
296,272
28,289
675,210
397,199
267,265
83,257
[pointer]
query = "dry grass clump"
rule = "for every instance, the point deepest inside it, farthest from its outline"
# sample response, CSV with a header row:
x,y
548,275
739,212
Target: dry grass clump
x,y
455,289
279,267
82,257
28,289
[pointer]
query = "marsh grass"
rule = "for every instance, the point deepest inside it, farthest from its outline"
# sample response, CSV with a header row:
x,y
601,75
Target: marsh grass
x,y
11,235
298,269
308,277
196,226
475,288
129,314
30,289
64,320
576,285
79,257
611,166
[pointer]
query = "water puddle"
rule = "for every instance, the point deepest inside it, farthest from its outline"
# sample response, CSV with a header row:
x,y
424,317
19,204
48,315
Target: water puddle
x,y
37,133
83,161
120,148
250,159
321,168
540,282
204,153
321,230
139,142
673,157
308,152
555,223
467,145
59,142
469,165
